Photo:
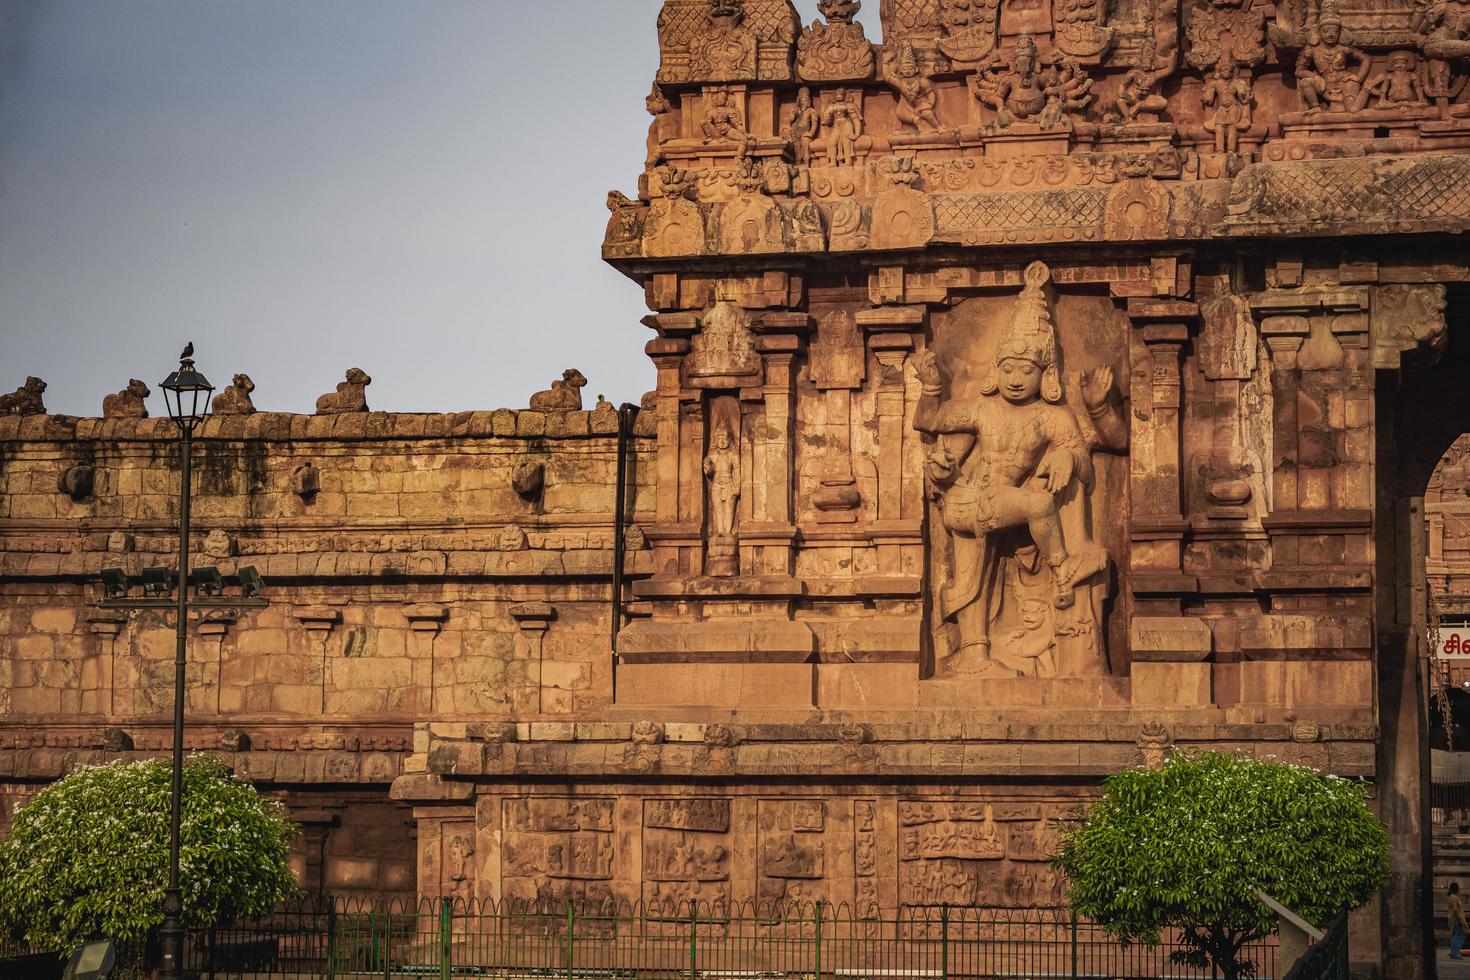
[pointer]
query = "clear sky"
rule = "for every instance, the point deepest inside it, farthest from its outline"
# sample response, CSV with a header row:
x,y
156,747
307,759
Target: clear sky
x,y
413,187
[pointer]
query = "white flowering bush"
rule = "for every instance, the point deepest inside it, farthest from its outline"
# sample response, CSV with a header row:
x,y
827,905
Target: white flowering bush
x,y
1189,846
88,856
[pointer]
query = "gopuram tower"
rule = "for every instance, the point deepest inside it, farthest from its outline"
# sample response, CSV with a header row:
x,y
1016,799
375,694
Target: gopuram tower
x,y
1047,385
1050,387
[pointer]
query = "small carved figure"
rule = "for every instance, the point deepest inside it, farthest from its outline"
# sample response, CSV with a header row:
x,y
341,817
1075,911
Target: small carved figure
x,y
1137,101
219,544
511,538
1230,98
722,469
803,128
1444,30
128,403
1019,89
25,400
843,118
723,122
460,869
917,97
1399,86
235,400
350,396
1444,36
658,106
1330,71
564,395
839,11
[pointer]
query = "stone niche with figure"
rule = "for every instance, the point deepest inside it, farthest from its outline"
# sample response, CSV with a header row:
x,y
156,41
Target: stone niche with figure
x,y
1026,441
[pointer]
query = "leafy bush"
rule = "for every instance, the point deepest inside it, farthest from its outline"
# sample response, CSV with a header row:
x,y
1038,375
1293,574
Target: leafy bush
x,y
88,856
1189,846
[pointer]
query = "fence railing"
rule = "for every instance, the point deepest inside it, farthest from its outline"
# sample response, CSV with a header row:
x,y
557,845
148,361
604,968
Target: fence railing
x,y
680,942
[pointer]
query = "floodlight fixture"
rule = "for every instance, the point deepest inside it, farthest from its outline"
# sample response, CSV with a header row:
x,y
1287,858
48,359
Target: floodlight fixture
x,y
207,580
251,583
115,583
91,961
158,580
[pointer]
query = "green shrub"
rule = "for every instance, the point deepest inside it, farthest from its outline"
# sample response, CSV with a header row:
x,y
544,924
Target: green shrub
x,y
1189,846
88,856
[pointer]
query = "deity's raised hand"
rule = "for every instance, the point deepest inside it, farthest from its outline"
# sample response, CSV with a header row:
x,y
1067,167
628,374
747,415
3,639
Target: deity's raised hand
x,y
926,369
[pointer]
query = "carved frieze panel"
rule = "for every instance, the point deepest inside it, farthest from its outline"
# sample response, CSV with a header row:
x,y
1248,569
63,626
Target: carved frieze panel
x,y
557,849
973,852
793,859
865,857
687,850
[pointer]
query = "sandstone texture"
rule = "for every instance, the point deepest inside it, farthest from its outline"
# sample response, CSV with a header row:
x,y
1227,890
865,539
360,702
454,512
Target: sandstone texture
x,y
1044,390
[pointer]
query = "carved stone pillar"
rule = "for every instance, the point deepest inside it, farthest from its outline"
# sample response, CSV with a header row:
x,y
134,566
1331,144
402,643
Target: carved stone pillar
x,y
1161,328
106,626
891,331
768,542
205,665
424,624
319,624
533,619
678,508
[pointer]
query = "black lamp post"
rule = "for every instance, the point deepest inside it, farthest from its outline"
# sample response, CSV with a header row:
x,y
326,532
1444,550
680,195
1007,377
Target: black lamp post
x,y
187,392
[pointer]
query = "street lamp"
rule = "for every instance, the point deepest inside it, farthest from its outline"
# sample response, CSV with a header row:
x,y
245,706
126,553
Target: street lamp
x,y
187,393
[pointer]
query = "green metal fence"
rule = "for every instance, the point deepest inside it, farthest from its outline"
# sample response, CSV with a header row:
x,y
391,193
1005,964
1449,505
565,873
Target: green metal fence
x,y
685,942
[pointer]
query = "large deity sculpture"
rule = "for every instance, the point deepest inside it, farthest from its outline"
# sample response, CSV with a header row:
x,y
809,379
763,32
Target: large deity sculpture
x,y
1022,586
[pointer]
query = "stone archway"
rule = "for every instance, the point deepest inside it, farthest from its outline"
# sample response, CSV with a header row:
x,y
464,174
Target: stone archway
x,y
1423,410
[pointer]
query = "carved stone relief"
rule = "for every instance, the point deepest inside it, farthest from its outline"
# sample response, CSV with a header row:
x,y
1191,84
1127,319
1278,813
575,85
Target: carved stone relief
x,y
837,51
557,849
25,400
686,851
235,400
564,395
128,403
350,396
1021,577
793,851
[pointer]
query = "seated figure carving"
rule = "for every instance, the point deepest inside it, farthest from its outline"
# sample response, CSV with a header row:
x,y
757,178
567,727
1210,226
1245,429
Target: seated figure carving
x,y
1011,477
25,400
350,396
128,403
564,395
1330,71
235,400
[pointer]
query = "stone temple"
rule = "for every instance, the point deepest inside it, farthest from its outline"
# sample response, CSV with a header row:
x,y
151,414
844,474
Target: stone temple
x,y
1050,386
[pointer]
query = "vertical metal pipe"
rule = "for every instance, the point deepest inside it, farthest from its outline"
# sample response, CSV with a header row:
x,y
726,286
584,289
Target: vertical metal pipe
x,y
619,527
172,932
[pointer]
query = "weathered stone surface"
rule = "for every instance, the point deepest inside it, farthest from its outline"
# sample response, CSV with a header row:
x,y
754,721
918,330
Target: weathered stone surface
x,y
1007,433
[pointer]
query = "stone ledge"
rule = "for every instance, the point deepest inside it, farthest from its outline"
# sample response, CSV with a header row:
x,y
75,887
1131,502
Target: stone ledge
x,y
461,763
286,427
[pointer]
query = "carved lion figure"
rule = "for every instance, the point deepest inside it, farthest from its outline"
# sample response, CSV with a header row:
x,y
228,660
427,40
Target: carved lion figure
x,y
235,400
565,395
128,403
350,396
25,400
